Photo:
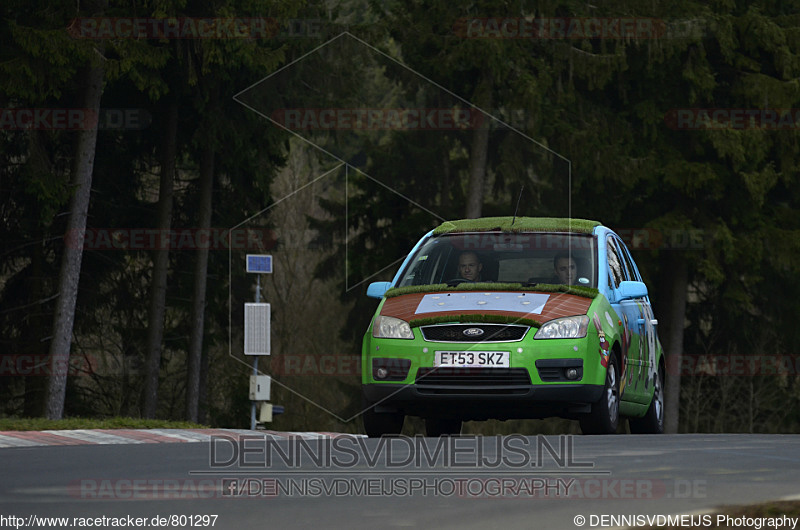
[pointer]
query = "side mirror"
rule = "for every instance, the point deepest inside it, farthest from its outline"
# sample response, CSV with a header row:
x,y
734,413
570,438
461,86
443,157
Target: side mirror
x,y
378,289
632,290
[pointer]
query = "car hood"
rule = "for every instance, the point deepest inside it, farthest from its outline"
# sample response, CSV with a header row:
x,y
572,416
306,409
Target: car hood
x,y
533,305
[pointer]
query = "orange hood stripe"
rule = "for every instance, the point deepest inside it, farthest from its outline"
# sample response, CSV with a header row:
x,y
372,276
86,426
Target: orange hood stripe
x,y
558,305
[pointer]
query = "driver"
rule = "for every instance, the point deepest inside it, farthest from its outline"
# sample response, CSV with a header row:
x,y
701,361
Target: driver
x,y
565,268
469,266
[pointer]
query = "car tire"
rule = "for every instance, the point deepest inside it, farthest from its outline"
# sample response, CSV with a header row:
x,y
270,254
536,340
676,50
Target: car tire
x,y
604,417
442,427
377,424
653,421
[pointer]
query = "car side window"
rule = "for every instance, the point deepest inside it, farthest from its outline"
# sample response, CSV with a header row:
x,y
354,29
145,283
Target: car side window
x,y
633,274
614,262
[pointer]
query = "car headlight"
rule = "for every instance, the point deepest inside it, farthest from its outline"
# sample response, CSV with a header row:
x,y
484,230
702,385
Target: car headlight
x,y
391,328
564,328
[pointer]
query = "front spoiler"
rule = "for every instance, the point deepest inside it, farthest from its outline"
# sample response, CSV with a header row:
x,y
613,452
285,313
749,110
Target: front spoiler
x,y
466,403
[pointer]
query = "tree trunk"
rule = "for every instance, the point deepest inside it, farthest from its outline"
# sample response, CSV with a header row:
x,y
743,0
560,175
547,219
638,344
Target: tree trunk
x,y
35,386
674,292
69,276
200,276
158,292
35,403
478,157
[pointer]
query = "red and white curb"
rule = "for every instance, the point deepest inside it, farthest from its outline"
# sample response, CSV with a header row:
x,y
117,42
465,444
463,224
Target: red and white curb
x,y
145,436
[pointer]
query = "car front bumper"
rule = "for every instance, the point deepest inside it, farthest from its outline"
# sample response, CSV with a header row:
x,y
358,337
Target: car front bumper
x,y
484,402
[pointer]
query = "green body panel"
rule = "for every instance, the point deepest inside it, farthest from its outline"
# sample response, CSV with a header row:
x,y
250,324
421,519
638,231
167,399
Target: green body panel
x,y
587,348
532,350
635,398
633,410
636,388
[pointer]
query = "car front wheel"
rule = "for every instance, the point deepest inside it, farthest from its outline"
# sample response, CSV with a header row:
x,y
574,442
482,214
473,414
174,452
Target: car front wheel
x,y
377,424
604,417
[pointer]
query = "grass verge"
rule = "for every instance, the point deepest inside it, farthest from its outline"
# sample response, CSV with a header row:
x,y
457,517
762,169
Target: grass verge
x,y
43,424
750,516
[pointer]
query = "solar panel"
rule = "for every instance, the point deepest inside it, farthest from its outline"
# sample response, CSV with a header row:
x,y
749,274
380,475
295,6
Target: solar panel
x,y
259,263
256,329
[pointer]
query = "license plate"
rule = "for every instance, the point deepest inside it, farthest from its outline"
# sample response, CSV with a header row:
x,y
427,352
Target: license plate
x,y
491,359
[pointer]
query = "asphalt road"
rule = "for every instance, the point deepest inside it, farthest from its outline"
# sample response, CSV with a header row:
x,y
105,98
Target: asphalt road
x,y
510,482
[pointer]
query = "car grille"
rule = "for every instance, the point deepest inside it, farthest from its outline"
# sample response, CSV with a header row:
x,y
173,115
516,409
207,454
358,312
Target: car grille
x,y
454,380
491,333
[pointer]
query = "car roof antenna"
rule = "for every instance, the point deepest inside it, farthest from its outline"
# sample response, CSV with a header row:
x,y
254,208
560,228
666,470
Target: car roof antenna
x,y
517,208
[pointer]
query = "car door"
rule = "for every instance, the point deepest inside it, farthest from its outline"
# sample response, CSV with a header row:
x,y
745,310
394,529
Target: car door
x,y
631,312
646,328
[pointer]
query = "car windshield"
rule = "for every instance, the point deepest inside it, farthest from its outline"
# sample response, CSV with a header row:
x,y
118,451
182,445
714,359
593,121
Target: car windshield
x,y
559,258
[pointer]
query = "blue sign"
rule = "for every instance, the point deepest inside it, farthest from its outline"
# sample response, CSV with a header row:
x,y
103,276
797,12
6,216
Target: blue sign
x,y
259,263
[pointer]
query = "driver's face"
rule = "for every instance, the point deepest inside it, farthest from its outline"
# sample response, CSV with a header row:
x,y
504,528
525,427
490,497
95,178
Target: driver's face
x,y
566,271
469,267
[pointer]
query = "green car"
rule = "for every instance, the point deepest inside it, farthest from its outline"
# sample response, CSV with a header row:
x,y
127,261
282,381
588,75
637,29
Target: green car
x,y
514,318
